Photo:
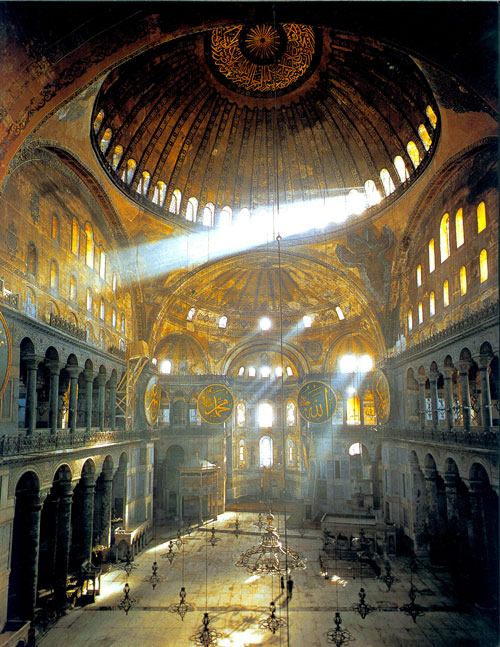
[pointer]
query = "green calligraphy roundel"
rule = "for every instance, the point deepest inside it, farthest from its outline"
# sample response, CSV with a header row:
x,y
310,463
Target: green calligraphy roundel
x,y
215,404
316,402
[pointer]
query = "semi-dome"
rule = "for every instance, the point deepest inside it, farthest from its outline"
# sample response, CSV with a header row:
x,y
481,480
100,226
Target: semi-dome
x,y
218,126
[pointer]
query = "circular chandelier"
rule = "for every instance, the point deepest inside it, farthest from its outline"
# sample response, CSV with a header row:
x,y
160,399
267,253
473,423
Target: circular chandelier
x,y
270,556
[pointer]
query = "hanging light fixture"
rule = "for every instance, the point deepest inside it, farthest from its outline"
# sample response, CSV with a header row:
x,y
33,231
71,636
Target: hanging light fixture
x,y
205,637
413,609
272,622
337,635
170,554
388,578
154,579
237,528
182,607
128,565
270,556
213,539
362,608
127,602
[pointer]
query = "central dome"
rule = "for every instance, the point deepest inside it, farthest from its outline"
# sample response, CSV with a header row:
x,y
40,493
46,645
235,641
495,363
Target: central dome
x,y
227,124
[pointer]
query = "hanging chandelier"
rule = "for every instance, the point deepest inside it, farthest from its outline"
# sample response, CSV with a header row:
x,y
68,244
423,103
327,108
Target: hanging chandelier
x,y
206,637
272,622
154,579
127,602
270,556
182,607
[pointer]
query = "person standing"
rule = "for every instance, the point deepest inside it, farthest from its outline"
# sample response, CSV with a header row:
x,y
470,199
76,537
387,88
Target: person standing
x,y
289,588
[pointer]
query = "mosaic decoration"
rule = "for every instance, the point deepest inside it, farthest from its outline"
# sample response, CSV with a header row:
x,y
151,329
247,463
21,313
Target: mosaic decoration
x,y
316,402
382,397
5,354
152,401
11,240
263,58
215,404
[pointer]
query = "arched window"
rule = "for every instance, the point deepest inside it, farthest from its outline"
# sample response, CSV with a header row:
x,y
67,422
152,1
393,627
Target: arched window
x,y
102,264
307,321
143,185
266,451
459,228
432,258
113,317
128,174
420,312
55,227
106,138
75,237
481,217
291,413
289,371
114,283
419,275
191,209
265,371
30,303
226,215
432,304
175,202
372,193
339,312
122,325
32,263
159,193
72,288
117,155
251,371
89,299
241,371
355,202
290,452
241,414
241,453
463,280
387,182
431,116
400,167
410,320
166,367
222,321
483,265
265,415
446,294
353,410
190,314
102,309
444,237
208,215
278,371
98,121
89,245
425,137
244,217
413,153
54,275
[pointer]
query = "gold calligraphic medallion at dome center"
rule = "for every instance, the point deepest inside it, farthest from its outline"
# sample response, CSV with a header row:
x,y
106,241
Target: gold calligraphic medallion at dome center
x,y
316,402
215,404
152,401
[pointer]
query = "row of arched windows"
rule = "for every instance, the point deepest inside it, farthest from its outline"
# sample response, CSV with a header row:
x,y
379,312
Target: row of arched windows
x,y
355,201
445,239
266,453
95,256
483,275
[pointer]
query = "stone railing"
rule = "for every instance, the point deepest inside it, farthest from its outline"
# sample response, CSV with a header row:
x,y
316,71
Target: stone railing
x,y
43,441
475,438
68,326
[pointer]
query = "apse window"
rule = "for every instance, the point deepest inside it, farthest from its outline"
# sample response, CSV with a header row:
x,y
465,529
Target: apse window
x,y
483,266
89,299
114,283
223,322
339,312
266,451
72,288
166,367
102,309
265,323
265,415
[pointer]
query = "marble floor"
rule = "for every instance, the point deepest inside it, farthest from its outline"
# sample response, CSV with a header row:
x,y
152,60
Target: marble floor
x,y
237,602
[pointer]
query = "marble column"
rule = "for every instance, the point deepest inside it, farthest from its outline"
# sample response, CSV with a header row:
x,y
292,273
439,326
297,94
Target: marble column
x,y
463,367
484,363
55,370
431,500
88,375
31,403
433,378
112,402
106,508
87,517
73,393
421,379
375,485
101,383
63,545
479,540
448,395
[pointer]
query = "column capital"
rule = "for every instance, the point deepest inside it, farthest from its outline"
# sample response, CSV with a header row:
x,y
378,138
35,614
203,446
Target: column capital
x,y
433,375
421,379
484,361
448,372
88,374
464,365
102,378
54,366
32,361
74,371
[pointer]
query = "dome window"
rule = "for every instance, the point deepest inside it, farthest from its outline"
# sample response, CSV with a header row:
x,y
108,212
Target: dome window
x,y
166,367
98,121
372,193
387,182
265,323
191,209
431,116
339,312
106,138
425,137
401,169
175,202
413,153
117,155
